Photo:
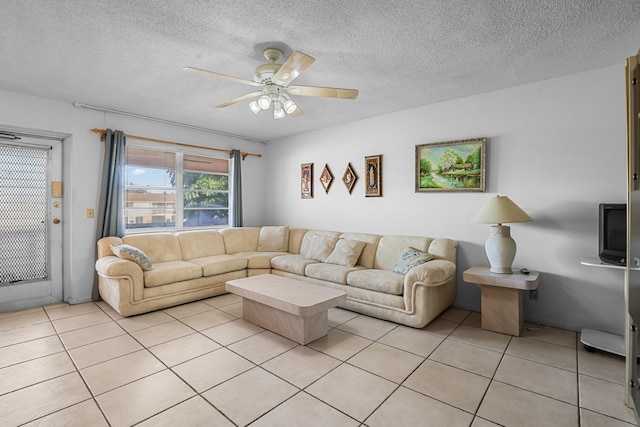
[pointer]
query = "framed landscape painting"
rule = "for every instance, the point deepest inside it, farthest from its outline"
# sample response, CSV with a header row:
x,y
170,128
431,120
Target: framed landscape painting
x,y
306,181
453,166
373,176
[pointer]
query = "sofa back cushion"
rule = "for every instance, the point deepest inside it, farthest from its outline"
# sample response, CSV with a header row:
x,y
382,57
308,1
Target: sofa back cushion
x,y
346,253
391,248
273,239
367,257
200,243
318,244
159,247
295,239
241,239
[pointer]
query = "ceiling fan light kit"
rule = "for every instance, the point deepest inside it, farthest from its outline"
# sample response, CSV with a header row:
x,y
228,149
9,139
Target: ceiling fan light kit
x,y
264,102
274,79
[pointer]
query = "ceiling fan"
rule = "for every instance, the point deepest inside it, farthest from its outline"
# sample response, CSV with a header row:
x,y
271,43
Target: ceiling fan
x,y
273,79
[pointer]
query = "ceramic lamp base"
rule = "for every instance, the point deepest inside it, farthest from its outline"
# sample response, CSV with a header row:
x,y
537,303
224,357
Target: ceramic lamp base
x,y
501,249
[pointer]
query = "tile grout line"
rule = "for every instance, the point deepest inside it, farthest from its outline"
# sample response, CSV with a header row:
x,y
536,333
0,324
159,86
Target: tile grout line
x,y
342,362
93,397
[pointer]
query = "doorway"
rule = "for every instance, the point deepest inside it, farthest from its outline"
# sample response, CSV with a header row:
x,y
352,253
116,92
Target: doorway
x,y
31,227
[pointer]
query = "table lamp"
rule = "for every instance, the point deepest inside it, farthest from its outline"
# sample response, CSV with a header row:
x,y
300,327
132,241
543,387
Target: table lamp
x,y
500,247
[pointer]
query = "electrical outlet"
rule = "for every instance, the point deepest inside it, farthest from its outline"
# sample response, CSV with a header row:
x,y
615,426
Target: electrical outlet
x,y
89,213
533,294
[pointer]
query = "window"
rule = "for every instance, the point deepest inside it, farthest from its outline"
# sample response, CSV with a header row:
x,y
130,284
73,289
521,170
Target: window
x,y
173,190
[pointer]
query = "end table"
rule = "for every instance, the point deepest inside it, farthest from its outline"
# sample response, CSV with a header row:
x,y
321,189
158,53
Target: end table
x,y
502,301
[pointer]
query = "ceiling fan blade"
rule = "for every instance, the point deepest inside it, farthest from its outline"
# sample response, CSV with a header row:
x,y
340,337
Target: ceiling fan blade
x,y
297,113
292,68
239,99
221,76
325,92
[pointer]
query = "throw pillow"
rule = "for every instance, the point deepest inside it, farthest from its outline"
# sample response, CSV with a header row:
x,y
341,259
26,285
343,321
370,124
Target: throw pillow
x,y
273,239
346,252
321,247
409,259
132,254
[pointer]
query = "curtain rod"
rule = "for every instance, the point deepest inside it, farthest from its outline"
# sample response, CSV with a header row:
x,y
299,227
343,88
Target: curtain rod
x,y
181,144
140,116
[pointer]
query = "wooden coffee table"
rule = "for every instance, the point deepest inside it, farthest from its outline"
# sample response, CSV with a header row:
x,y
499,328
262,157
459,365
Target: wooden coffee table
x,y
289,307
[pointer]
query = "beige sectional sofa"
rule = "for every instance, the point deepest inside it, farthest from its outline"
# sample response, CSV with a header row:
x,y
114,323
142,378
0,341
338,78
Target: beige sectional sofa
x,y
193,265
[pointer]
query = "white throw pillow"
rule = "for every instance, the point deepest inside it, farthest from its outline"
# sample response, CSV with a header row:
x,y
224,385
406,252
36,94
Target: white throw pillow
x,y
321,247
273,239
346,252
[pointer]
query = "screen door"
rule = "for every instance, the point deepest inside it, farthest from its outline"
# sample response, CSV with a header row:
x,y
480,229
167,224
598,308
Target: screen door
x,y
30,223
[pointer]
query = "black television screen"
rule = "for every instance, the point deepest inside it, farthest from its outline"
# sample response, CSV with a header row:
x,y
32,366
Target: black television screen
x,y
613,233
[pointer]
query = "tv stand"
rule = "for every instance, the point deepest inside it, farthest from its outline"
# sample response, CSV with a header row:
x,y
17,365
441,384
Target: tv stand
x,y
598,340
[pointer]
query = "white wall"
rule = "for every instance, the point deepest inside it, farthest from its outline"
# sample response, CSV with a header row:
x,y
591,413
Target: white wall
x,y
83,153
557,148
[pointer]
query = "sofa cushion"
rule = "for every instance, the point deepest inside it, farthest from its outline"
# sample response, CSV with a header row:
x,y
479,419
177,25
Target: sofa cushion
x,y
296,236
320,247
291,263
160,247
220,264
391,247
273,239
383,281
241,239
170,272
410,258
371,245
132,254
329,272
310,240
346,252
200,243
258,259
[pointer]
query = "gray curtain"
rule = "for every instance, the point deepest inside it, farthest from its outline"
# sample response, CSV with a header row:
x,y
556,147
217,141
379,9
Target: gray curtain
x,y
110,218
235,208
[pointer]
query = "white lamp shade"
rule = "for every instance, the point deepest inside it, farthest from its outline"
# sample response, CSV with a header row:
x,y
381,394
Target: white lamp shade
x,y
264,102
500,210
290,106
253,105
278,112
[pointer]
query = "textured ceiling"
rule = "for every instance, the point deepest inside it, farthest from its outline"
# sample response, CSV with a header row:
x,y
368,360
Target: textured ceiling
x,y
128,55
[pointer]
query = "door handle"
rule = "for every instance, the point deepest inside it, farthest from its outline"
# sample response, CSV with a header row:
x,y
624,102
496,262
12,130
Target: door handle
x,y
56,220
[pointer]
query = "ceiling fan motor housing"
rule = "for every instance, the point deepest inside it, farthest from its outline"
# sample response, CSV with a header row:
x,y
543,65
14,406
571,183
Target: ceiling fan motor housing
x,y
265,72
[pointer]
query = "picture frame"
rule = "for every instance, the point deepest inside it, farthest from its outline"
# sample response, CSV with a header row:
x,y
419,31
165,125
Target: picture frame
x,y
306,181
326,178
349,178
452,166
373,176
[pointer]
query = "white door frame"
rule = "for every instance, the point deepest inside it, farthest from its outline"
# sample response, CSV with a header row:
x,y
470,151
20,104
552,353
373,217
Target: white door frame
x,y
50,290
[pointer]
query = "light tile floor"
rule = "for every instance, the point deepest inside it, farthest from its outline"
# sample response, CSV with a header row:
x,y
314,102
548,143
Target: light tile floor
x,y
200,364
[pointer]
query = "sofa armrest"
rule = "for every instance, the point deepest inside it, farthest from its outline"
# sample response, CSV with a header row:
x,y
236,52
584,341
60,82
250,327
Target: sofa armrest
x,y
432,273
114,266
117,268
